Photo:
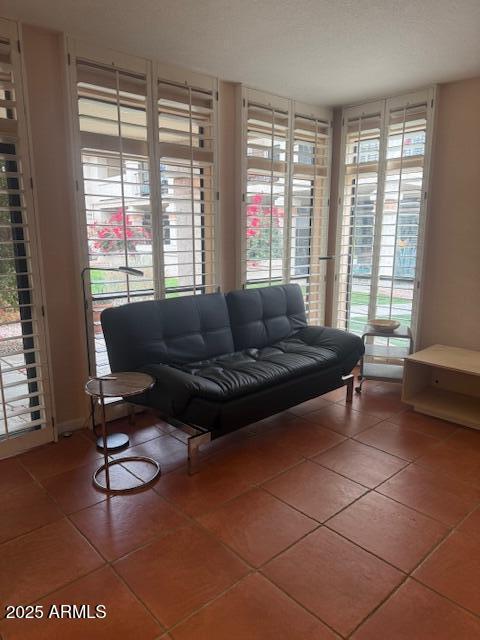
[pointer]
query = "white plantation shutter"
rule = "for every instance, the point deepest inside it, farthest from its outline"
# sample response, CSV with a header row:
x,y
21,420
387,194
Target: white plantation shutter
x,y
111,106
382,214
267,151
308,219
188,197
357,217
403,211
145,153
285,208
23,366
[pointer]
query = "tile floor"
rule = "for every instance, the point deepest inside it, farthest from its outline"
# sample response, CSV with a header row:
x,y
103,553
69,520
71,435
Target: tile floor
x,y
327,521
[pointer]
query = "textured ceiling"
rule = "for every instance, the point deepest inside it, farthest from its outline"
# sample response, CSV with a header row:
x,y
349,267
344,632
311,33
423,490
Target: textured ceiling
x,y
327,52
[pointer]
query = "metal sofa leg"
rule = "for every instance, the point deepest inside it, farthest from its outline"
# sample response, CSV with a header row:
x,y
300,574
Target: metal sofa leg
x,y
194,443
348,382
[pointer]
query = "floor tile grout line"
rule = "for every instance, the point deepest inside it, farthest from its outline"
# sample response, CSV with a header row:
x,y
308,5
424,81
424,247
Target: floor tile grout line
x,y
442,595
369,551
409,575
377,487
137,597
106,562
300,604
63,586
111,563
383,602
210,602
304,513
357,481
422,513
260,485
392,455
377,447
447,474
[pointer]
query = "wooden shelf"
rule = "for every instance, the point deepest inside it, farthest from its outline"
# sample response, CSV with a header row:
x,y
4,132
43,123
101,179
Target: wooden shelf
x,y
444,382
451,358
448,405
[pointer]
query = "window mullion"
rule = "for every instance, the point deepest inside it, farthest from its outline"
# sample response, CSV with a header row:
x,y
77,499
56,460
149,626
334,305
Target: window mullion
x,y
379,206
155,183
287,217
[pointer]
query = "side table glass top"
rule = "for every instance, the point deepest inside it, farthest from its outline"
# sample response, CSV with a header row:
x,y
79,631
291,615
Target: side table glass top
x,y
119,385
403,331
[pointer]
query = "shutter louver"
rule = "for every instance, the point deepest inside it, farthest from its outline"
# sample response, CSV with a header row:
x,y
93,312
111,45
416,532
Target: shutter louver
x,y
23,368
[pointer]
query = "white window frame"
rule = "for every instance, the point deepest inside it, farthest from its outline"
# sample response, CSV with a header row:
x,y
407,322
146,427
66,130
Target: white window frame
x,y
383,107
23,440
292,108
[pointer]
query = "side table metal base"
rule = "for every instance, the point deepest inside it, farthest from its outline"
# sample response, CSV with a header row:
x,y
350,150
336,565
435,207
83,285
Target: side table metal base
x,y
115,441
141,483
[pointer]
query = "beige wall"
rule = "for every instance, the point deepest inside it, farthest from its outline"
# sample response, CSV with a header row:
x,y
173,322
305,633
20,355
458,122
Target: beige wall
x,y
43,58
451,305
450,308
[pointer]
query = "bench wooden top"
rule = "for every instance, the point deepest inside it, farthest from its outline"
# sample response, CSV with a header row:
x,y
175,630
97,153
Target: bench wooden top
x,y
453,358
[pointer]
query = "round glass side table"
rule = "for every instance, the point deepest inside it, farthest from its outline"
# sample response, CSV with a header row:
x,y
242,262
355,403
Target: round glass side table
x,y
122,384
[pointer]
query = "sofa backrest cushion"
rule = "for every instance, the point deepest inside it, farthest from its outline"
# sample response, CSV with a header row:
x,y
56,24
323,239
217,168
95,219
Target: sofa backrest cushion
x,y
260,317
171,331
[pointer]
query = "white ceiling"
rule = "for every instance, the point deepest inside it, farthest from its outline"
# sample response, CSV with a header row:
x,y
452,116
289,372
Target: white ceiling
x,y
327,52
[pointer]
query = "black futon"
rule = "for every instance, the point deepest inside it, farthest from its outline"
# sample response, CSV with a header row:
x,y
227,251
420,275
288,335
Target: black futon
x,y
223,361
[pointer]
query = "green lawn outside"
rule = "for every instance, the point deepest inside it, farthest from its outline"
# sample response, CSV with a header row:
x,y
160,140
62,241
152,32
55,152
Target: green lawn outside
x,y
358,297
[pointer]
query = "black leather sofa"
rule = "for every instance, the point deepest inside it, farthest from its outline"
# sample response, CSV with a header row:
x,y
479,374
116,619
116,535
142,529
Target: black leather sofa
x,y
223,361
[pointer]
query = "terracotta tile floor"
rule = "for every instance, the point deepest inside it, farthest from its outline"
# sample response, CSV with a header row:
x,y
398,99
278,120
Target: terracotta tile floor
x,y
327,521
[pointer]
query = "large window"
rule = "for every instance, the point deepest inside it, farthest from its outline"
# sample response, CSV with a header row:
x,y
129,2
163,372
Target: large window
x,y
146,164
285,198
23,367
382,210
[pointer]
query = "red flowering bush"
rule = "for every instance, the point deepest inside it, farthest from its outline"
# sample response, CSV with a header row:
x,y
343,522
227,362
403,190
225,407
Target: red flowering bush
x,y
259,219
118,229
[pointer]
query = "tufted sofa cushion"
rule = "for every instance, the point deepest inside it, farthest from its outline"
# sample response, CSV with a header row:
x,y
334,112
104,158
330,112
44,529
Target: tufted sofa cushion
x,y
172,331
229,376
260,317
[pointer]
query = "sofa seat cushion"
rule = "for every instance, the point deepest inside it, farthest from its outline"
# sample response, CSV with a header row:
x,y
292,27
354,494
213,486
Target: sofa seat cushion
x,y
225,377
